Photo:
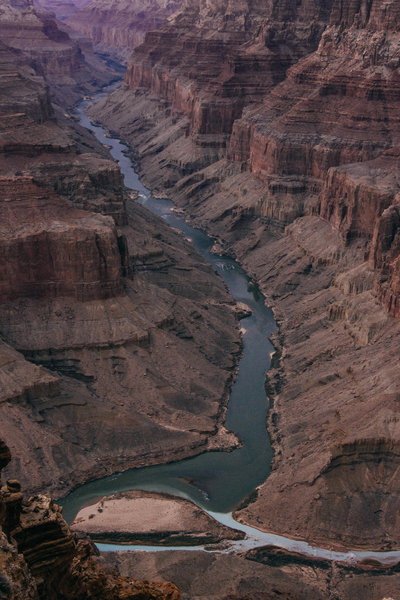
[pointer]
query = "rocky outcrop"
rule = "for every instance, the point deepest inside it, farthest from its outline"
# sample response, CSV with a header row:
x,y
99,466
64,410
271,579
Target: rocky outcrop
x,y
119,26
91,182
40,557
385,256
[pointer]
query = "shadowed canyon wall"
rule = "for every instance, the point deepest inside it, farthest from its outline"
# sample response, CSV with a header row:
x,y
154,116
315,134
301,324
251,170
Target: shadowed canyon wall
x,y
118,27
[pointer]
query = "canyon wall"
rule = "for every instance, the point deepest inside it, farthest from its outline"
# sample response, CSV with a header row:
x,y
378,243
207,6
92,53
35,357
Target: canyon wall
x,y
120,25
297,176
104,309
36,39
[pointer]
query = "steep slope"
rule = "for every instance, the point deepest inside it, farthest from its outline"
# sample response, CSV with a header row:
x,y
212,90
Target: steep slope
x,y
299,179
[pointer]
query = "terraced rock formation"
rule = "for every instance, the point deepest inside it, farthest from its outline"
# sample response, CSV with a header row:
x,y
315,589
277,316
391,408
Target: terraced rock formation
x,y
34,36
297,176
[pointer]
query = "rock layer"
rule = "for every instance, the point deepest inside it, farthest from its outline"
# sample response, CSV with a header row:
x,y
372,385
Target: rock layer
x,y
33,34
49,249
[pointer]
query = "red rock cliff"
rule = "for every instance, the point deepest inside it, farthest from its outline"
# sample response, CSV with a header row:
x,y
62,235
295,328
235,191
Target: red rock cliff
x,y
48,251
214,58
35,36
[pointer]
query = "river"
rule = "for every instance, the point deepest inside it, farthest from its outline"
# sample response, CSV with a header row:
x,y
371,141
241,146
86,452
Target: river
x,y
215,481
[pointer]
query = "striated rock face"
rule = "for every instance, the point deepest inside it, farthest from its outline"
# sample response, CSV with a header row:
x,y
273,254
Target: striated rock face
x,y
301,184
216,57
48,249
292,140
40,557
120,25
35,33
91,182
298,94
335,107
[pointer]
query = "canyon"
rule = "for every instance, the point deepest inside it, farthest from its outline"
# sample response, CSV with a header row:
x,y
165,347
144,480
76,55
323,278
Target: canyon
x,y
274,127
40,557
117,27
102,305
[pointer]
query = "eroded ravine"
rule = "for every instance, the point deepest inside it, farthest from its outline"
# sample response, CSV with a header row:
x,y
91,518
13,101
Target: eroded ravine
x,y
216,481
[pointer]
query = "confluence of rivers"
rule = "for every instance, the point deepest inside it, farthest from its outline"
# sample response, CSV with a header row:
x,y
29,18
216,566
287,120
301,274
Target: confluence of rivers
x,y
215,481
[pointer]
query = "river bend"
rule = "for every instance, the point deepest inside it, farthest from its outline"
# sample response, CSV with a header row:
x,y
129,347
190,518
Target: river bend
x,y
215,481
